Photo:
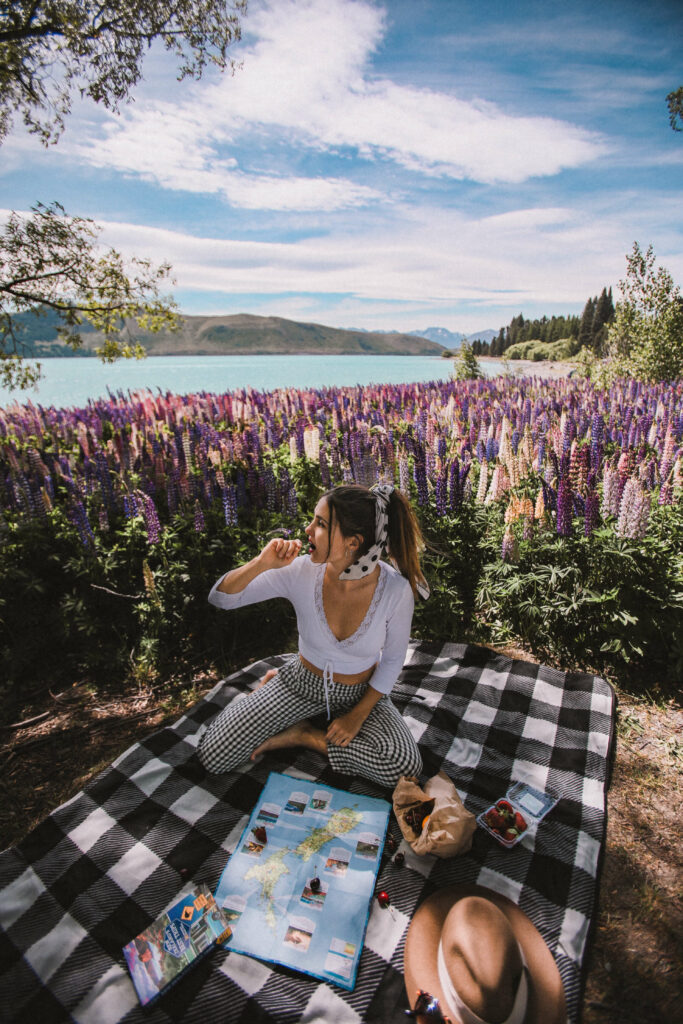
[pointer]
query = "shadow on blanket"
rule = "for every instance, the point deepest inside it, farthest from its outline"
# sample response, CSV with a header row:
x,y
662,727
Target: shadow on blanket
x,y
100,868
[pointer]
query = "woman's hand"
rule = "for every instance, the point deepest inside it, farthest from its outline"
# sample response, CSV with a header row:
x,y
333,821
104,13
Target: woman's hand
x,y
342,730
278,553
270,674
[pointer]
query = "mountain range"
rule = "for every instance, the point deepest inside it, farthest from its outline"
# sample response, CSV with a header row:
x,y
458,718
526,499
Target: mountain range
x,y
454,339
245,334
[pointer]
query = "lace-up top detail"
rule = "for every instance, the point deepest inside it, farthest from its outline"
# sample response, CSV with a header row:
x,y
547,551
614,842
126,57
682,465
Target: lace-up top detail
x,y
369,615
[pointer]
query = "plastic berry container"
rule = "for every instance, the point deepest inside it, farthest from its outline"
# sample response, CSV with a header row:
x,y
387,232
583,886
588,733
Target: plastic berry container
x,y
511,817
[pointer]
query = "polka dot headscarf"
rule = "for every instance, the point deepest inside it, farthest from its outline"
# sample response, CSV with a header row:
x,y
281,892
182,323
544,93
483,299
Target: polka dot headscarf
x,y
367,562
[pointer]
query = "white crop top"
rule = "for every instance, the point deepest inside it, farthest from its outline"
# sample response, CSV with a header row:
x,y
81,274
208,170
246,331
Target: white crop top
x,y
382,636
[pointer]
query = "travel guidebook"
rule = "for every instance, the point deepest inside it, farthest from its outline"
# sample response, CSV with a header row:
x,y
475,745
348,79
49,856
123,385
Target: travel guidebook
x,y
183,933
297,890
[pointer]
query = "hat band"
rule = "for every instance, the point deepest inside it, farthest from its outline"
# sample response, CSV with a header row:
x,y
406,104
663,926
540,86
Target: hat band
x,y
463,1011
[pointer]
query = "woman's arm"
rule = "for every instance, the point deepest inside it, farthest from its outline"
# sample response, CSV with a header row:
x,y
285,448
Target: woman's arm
x,y
258,579
343,729
276,554
399,622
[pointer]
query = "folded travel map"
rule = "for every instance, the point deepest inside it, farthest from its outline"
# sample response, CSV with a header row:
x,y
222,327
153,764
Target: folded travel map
x,y
297,889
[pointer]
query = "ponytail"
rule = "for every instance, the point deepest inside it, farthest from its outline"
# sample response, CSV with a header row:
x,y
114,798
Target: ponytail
x,y
352,508
405,540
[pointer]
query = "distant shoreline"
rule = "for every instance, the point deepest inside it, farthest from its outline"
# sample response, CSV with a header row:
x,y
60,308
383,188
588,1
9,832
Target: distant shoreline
x,y
552,368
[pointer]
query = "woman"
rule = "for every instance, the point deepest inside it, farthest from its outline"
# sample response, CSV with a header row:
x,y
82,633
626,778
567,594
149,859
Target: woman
x,y
354,613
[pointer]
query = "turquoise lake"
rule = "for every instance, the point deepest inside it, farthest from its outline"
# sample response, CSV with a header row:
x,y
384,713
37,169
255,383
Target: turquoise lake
x,y
73,382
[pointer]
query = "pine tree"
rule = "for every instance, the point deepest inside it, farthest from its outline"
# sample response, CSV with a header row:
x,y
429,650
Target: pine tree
x,y
586,328
466,365
603,316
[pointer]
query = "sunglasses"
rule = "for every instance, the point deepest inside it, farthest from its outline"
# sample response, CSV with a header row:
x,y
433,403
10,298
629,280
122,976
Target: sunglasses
x,y
428,1007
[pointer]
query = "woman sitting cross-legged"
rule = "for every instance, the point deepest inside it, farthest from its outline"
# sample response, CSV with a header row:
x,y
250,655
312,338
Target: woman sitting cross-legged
x,y
354,613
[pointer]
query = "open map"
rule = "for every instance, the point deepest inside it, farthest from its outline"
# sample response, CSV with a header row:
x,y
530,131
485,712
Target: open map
x,y
298,887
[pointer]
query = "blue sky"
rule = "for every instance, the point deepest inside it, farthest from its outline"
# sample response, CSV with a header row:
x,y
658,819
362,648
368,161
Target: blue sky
x,y
391,165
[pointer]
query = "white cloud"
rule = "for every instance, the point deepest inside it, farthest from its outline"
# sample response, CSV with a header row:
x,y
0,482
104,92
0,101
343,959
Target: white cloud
x,y
307,81
427,258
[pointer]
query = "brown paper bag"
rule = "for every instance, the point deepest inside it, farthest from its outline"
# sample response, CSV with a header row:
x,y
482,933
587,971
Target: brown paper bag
x,y
445,827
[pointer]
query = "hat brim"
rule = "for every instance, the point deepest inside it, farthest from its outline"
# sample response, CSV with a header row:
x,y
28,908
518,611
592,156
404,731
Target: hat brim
x,y
546,994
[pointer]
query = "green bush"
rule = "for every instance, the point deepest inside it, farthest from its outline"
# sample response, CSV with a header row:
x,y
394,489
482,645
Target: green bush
x,y
599,602
122,608
538,351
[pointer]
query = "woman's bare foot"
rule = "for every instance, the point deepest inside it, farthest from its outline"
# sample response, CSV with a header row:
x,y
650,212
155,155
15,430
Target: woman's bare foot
x,y
266,678
301,734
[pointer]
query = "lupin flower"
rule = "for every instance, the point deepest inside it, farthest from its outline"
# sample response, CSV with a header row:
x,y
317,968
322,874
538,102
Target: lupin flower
x,y
130,507
634,511
678,473
229,506
454,486
148,580
420,477
187,451
491,449
79,518
325,477
199,522
292,503
510,548
404,475
592,513
150,516
494,490
611,492
625,464
666,494
483,482
312,443
512,467
541,452
504,449
539,508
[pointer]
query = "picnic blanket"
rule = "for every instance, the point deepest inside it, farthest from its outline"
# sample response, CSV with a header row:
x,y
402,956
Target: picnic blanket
x,y
101,867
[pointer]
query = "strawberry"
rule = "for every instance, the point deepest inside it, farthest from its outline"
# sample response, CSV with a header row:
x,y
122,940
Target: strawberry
x,y
505,809
520,823
510,834
496,821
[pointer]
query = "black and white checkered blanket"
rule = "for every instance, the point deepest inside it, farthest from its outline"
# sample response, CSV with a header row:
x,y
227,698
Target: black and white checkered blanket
x,y
100,868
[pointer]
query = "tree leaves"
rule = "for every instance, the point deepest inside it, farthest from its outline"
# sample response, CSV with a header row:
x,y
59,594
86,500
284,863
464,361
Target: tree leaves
x,y
52,261
646,337
52,49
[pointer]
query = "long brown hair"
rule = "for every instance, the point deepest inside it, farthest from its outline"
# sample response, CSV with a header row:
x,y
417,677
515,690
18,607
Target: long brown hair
x,y
352,507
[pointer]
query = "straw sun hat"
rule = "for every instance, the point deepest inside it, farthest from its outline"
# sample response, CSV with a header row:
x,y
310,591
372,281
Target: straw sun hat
x,y
481,957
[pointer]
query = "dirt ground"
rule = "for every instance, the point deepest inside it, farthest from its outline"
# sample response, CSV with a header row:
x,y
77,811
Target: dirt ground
x,y
59,740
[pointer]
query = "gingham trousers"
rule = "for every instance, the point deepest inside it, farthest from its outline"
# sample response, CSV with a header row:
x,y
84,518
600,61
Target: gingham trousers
x,y
382,751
